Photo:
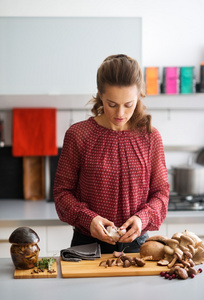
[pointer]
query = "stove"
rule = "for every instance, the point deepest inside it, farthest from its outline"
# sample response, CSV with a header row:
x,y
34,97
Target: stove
x,y
189,202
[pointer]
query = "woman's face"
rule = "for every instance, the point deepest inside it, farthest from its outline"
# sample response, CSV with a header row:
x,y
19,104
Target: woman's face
x,y
119,104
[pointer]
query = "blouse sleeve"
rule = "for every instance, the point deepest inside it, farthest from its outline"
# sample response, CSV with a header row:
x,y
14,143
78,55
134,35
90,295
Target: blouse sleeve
x,y
68,207
153,213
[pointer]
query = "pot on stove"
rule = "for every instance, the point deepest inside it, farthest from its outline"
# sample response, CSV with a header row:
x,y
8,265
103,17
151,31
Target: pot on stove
x,y
189,179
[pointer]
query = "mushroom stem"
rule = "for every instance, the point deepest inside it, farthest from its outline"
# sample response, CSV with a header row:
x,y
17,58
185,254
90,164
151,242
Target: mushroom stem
x,y
171,264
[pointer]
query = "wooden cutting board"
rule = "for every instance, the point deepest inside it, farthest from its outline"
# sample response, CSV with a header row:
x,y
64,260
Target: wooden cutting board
x,y
88,268
23,274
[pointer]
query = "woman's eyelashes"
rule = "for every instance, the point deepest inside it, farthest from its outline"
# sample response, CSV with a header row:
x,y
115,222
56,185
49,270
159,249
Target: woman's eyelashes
x,y
127,105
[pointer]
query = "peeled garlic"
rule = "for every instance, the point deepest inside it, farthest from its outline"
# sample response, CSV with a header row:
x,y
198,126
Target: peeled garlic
x,y
115,233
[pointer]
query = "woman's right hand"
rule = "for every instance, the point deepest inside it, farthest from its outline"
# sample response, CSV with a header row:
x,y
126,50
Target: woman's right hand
x,y
97,231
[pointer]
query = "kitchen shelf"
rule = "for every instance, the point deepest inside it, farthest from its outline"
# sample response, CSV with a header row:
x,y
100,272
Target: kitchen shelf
x,y
80,102
175,102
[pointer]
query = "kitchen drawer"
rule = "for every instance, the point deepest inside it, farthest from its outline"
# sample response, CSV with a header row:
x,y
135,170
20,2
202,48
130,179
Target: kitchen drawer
x,y
58,238
197,228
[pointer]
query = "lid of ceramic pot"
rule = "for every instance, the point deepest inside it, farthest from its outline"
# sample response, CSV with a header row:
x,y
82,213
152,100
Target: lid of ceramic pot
x,y
23,236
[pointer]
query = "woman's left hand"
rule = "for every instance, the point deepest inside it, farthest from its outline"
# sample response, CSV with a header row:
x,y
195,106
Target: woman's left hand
x,y
135,225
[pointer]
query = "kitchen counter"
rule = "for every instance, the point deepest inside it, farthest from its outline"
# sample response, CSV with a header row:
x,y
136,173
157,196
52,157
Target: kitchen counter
x,y
26,212
120,288
30,213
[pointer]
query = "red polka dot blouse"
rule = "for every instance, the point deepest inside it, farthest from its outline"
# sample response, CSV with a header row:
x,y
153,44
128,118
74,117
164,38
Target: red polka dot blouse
x,y
114,174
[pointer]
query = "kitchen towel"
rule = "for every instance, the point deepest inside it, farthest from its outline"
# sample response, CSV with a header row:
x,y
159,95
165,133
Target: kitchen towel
x,y
77,253
34,132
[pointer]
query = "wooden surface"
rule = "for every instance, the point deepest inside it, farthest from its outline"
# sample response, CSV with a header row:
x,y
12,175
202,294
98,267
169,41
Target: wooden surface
x,y
89,268
22,274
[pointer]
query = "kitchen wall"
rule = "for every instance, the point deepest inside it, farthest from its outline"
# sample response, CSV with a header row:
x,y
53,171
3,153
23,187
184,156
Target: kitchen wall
x,y
172,35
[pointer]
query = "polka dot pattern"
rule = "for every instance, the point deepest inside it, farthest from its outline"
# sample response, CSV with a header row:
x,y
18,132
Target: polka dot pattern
x,y
114,174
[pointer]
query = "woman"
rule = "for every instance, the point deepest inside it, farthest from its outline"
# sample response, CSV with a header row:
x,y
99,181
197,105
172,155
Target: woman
x,y
112,167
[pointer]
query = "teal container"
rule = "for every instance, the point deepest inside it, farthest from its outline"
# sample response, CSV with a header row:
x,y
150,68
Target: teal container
x,y
187,80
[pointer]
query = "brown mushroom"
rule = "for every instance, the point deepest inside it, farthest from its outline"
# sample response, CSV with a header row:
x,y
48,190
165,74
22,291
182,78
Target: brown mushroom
x,y
152,248
178,254
168,250
103,263
182,273
187,255
191,249
158,238
173,261
192,271
126,264
172,243
139,261
119,262
163,262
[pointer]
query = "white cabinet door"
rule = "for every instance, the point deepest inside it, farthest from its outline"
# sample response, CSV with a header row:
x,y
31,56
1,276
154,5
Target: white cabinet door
x,y
162,231
58,238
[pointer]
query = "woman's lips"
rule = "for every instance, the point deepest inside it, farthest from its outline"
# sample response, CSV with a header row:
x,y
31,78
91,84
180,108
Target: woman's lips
x,y
119,119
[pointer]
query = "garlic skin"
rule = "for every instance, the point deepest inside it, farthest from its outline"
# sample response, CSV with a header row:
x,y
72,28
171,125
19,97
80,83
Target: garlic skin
x,y
121,231
115,233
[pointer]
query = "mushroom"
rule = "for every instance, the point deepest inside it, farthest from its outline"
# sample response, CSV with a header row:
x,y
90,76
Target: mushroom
x,y
168,250
198,258
191,249
152,248
176,236
163,262
177,255
139,261
182,273
193,236
185,241
158,238
172,243
192,271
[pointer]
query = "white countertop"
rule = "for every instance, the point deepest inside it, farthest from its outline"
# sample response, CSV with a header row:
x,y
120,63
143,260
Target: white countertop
x,y
120,288
39,212
42,213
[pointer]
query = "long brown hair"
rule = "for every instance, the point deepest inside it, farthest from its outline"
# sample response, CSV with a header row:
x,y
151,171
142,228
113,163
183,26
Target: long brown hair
x,y
122,70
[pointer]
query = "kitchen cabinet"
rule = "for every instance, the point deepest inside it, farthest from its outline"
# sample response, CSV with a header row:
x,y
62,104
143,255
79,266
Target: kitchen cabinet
x,y
58,238
162,231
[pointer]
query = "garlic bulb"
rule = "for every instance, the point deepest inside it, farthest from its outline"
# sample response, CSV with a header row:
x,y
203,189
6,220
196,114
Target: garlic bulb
x,y
115,233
